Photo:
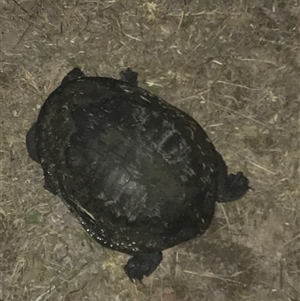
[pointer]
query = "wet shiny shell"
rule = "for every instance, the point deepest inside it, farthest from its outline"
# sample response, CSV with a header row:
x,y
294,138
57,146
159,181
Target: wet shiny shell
x,y
139,174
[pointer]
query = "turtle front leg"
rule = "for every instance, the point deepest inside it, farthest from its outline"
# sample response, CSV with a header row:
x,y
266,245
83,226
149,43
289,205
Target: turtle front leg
x,y
129,76
74,74
142,264
236,186
230,187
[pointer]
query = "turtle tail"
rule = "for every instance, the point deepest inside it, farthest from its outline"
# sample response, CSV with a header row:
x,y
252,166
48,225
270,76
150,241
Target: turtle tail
x,y
230,187
31,144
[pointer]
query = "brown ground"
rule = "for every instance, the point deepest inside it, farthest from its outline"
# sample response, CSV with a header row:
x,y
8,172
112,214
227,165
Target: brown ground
x,y
234,66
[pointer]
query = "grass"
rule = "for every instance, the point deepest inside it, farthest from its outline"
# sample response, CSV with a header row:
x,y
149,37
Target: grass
x,y
233,66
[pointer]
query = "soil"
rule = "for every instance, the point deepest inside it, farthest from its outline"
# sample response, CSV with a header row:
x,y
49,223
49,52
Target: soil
x,y
234,67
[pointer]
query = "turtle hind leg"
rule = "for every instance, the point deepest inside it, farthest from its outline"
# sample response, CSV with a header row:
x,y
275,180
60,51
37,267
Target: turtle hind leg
x,y
129,76
142,264
75,73
230,187
31,144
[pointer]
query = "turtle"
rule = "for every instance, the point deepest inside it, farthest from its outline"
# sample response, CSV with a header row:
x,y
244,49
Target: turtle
x,y
139,174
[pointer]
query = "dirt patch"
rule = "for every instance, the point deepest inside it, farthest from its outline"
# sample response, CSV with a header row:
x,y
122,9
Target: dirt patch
x,y
232,65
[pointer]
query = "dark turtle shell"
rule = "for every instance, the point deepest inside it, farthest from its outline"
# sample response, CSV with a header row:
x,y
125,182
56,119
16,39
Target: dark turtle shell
x,y
140,175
